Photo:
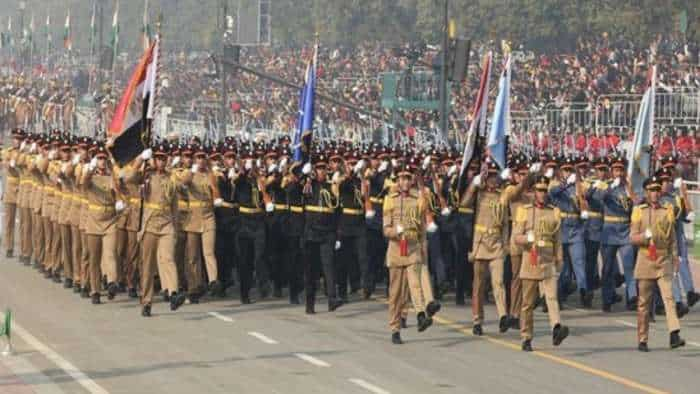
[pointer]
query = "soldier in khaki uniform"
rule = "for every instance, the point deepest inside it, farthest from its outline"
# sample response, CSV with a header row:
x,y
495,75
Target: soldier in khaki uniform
x,y
36,194
23,197
536,231
129,181
75,212
88,149
66,182
652,230
199,225
406,223
101,224
158,229
10,189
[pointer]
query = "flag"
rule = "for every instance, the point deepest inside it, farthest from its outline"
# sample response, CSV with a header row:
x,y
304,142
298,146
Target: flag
x,y
129,123
478,125
49,38
640,156
93,30
6,327
145,30
500,123
115,34
304,132
67,42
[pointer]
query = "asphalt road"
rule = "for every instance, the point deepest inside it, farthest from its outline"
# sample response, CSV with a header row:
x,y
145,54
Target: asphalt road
x,y
63,344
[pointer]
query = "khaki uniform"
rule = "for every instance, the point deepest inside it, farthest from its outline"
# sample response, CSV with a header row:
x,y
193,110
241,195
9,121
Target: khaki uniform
x,y
64,202
488,248
101,228
83,207
200,227
36,195
517,197
540,261
23,197
10,196
158,248
660,220
407,274
128,246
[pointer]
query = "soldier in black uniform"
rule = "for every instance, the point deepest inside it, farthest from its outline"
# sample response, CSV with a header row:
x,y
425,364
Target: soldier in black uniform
x,y
226,217
320,232
377,174
294,229
250,239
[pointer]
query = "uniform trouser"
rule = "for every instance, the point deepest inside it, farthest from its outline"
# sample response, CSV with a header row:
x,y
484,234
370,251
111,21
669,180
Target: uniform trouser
x,y
158,256
48,260
448,251
608,274
516,288
683,282
39,246
376,252
464,272
181,240
295,265
76,253
592,249
56,244
530,294
352,255
8,226
120,254
436,262
646,290
225,254
276,260
574,263
66,250
414,280
131,254
481,270
319,255
84,260
25,225
101,251
199,244
251,249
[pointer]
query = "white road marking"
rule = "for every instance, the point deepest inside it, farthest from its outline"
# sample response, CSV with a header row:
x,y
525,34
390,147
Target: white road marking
x,y
30,375
221,317
263,338
369,386
693,343
70,369
626,323
311,359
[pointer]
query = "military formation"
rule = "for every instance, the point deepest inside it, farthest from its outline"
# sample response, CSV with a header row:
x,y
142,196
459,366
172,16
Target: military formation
x,y
188,221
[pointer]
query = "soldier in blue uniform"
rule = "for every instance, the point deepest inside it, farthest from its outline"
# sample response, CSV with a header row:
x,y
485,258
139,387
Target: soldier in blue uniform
x,y
566,196
593,217
617,203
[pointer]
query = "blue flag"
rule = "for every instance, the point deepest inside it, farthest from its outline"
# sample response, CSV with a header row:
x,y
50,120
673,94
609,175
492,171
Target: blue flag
x,y
500,123
640,155
305,123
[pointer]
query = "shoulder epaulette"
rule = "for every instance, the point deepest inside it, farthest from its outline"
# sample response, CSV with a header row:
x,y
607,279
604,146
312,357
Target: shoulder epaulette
x,y
643,205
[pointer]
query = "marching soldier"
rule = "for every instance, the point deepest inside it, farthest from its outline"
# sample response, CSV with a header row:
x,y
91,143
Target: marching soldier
x,y
66,182
227,220
593,217
406,224
653,231
9,158
536,229
23,199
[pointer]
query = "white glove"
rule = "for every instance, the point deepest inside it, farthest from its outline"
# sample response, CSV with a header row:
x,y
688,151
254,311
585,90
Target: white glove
x,y
399,229
258,163
426,162
648,234
446,211
216,168
218,202
93,164
452,170
616,182
283,163
598,184
194,168
52,154
337,245
119,205
432,227
272,168
176,161
549,173
535,168
146,154
85,170
336,177
269,207
248,164
64,168
370,214
383,166
677,183
690,216
394,163
585,215
530,237
571,179
505,174
22,145
76,159
231,173
358,166
12,163
477,180
32,148
306,170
